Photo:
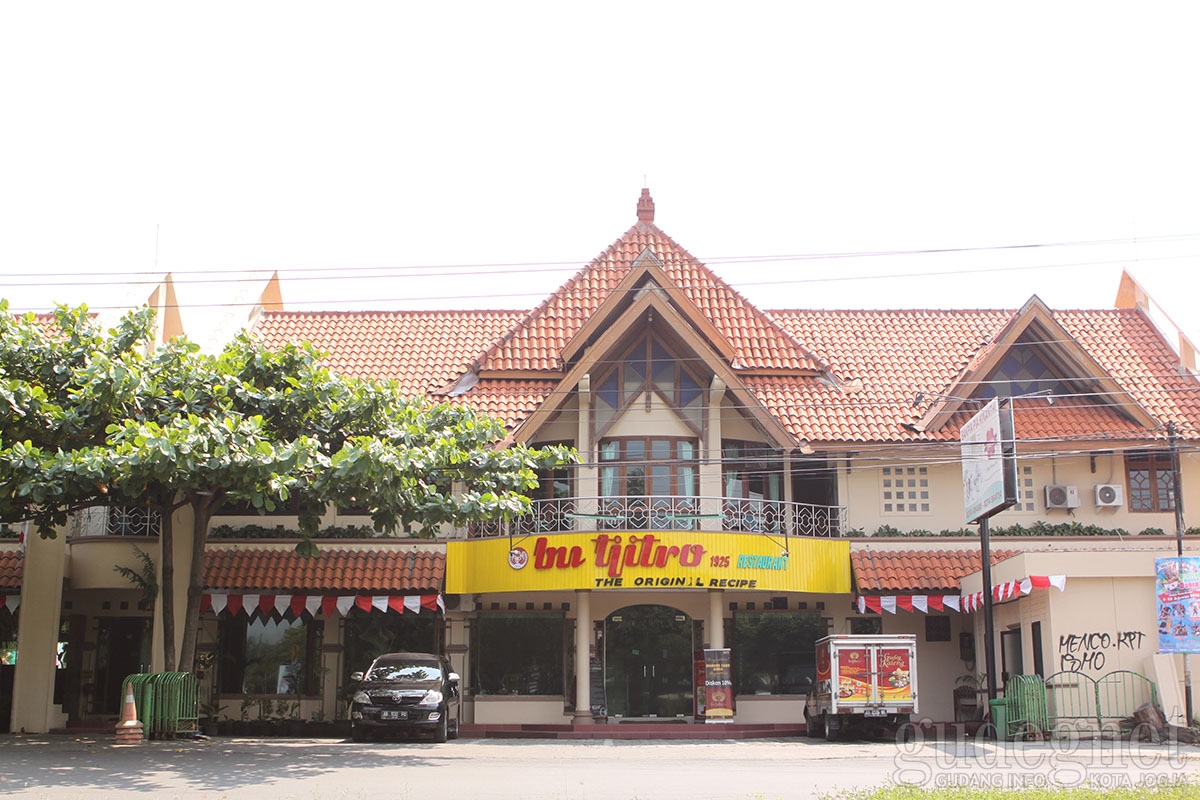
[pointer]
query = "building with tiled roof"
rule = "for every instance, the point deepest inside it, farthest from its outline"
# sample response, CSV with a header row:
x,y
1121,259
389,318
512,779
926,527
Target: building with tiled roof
x,y
749,480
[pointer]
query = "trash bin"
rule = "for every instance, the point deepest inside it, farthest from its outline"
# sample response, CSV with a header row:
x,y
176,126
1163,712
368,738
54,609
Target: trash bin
x,y
999,714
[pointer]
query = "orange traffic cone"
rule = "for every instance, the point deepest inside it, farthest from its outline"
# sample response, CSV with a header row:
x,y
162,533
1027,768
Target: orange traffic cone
x,y
129,730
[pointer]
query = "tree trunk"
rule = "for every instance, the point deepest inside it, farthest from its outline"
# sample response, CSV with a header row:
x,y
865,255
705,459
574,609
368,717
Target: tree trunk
x,y
167,583
202,511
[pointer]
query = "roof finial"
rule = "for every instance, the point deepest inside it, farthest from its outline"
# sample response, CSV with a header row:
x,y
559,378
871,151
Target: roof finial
x,y
645,208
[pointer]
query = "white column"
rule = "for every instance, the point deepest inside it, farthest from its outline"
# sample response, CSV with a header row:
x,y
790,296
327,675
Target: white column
x,y
587,476
711,484
583,658
716,619
33,708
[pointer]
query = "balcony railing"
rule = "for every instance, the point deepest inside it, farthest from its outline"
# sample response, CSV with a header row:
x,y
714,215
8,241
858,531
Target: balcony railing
x,y
670,513
116,521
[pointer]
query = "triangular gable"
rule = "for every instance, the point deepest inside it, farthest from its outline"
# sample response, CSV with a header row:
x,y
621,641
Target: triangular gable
x,y
1131,294
161,299
239,311
633,318
646,275
1075,365
533,347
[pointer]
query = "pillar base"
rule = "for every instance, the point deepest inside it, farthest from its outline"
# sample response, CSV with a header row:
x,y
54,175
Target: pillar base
x,y
583,718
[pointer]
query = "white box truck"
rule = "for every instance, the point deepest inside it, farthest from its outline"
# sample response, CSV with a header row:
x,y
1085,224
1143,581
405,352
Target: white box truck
x,y
866,686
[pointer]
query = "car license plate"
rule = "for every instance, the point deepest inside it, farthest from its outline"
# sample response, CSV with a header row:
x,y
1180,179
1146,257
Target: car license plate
x,y
875,712
394,715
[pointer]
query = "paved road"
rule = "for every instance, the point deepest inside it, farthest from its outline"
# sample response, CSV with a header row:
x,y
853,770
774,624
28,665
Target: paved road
x,y
281,769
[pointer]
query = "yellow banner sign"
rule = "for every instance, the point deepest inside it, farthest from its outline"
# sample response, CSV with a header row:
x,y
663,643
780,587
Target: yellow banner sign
x,y
648,560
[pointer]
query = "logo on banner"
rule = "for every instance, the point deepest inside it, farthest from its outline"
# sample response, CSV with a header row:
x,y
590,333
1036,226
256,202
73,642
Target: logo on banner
x,y
518,557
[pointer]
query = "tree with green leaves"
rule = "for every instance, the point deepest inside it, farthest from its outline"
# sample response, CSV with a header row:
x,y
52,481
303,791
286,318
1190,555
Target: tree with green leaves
x,y
184,428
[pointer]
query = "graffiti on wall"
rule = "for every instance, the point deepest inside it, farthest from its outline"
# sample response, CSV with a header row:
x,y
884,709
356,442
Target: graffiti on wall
x,y
1078,652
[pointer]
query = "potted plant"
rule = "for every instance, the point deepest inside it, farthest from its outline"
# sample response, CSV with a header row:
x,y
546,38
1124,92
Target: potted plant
x,y
208,718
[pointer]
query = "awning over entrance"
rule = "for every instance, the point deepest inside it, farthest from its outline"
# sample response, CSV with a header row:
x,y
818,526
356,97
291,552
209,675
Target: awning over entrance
x,y
327,605
275,580
1008,590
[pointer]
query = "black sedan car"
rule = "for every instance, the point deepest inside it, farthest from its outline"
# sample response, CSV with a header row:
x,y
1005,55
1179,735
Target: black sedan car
x,y
406,693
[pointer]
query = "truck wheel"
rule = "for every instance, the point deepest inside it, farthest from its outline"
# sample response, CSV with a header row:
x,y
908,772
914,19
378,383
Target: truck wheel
x,y
831,731
811,727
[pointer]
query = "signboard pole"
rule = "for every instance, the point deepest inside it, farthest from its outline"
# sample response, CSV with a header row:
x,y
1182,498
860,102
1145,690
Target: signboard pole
x,y
989,486
989,624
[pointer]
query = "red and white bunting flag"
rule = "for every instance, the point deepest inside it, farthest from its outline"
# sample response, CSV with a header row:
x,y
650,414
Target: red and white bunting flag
x,y
952,601
380,602
904,602
888,604
312,604
921,603
861,602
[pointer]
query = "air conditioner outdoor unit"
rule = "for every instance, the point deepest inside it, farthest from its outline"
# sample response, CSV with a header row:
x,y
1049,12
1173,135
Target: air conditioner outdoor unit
x,y
1058,496
1109,495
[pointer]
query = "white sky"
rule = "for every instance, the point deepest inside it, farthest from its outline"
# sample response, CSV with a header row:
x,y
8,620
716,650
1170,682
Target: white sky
x,y
349,145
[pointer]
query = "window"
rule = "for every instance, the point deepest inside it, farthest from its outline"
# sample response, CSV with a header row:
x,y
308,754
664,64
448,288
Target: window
x,y
905,490
648,483
866,625
367,635
1151,482
521,654
1023,371
649,367
937,629
774,652
269,655
752,474
1025,490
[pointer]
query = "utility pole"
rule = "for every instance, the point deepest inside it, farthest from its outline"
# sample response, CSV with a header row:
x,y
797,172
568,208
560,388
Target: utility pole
x,y
1176,485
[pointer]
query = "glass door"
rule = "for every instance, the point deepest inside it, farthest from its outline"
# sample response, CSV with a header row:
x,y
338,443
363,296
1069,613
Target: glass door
x,y
648,662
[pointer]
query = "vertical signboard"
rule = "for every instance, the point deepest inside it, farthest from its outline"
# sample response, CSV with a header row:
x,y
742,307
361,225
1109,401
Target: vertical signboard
x,y
1177,586
988,462
718,686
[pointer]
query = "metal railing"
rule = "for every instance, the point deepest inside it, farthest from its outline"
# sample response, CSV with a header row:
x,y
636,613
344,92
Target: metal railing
x,y
670,513
116,521
1088,703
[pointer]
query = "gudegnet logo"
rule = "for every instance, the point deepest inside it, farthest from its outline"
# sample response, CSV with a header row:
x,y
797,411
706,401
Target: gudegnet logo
x,y
518,557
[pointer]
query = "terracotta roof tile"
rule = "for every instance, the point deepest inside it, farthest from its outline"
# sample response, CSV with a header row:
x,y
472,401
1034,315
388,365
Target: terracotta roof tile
x,y
882,359
12,563
878,360
536,340
422,350
330,570
915,570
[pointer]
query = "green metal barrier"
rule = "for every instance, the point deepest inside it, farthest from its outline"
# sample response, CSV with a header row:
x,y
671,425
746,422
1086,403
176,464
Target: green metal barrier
x,y
1027,712
166,703
1093,704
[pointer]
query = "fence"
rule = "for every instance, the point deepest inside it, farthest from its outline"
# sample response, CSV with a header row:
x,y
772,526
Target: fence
x,y
1090,704
166,703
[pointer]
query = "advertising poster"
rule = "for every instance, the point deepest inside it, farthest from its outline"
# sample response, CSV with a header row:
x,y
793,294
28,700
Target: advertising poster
x,y
718,686
854,676
1177,586
895,674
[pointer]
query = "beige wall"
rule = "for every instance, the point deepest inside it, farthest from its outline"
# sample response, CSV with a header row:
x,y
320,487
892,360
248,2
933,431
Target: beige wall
x,y
862,491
